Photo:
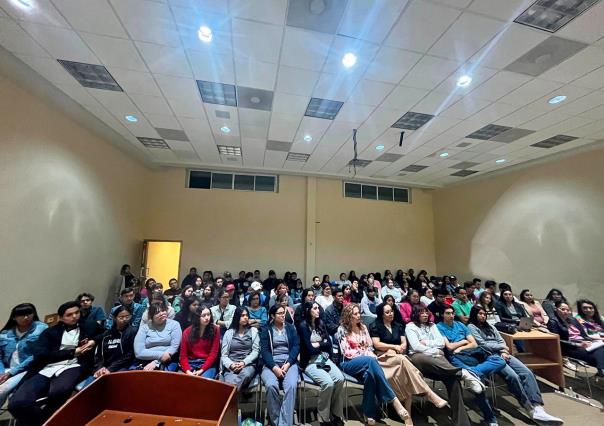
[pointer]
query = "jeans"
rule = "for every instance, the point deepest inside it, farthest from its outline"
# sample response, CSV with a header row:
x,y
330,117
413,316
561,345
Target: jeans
x,y
196,364
521,382
280,413
367,370
491,365
9,386
331,401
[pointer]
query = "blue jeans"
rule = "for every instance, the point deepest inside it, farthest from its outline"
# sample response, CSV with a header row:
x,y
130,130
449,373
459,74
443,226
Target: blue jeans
x,y
331,383
9,386
280,412
367,370
491,365
521,382
196,364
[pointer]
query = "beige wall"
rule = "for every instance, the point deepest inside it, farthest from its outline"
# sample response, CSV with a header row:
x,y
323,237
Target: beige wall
x,y
536,228
68,205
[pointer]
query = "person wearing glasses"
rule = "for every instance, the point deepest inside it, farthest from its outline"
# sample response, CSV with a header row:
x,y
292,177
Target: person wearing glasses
x,y
279,349
223,312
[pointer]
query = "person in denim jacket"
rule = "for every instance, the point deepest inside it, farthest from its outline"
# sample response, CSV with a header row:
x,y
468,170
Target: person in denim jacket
x,y
16,341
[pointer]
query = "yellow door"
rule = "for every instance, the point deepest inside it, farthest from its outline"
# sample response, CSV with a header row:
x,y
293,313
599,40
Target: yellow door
x,y
162,260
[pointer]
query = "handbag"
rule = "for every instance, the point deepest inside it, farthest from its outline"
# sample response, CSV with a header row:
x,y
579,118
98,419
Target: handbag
x,y
506,327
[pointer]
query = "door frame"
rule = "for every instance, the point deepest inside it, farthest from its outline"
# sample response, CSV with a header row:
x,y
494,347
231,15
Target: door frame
x,y
144,257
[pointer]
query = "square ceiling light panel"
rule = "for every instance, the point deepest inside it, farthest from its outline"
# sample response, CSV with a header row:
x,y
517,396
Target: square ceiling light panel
x,y
222,114
551,15
389,157
172,134
154,143
317,15
278,146
464,173
512,135
412,120
248,97
92,76
323,108
545,55
463,165
217,93
554,141
359,163
229,150
487,132
414,168
298,157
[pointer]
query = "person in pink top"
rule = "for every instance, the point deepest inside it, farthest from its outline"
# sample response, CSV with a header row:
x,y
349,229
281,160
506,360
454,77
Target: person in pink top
x,y
406,307
533,308
200,345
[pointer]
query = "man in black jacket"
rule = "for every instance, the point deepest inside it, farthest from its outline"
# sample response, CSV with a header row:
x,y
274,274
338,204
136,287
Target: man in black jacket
x,y
333,312
63,356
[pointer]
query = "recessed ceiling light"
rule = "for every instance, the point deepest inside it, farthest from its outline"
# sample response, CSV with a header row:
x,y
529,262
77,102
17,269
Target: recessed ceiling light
x,y
501,160
556,99
444,154
131,118
380,147
255,100
22,3
308,138
464,81
349,60
205,34
225,129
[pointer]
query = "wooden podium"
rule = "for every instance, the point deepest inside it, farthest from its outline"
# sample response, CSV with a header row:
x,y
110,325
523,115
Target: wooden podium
x,y
156,398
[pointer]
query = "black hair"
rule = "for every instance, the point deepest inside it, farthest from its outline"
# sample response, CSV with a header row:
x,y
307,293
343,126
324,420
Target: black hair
x,y
306,308
476,280
124,267
489,284
447,307
468,284
596,318
481,299
248,275
126,290
188,302
415,313
504,286
337,290
555,290
440,291
154,309
522,293
271,272
208,332
281,297
185,288
305,293
379,311
237,317
485,327
273,311
325,279
20,310
67,305
409,293
192,268
88,295
118,309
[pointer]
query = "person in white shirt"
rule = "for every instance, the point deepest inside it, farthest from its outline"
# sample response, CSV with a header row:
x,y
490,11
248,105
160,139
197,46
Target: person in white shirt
x,y
390,289
325,299
370,302
427,296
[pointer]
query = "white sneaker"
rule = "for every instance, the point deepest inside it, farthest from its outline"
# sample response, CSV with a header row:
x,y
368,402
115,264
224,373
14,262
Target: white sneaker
x,y
493,424
539,415
472,381
569,365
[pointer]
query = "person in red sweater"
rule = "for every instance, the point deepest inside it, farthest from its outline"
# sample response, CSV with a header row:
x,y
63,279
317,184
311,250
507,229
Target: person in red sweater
x,y
200,345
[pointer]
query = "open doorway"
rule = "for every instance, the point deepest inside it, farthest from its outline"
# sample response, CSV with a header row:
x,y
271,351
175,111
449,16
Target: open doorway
x,y
161,260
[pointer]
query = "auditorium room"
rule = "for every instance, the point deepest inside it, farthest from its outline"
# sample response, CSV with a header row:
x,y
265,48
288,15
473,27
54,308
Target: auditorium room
x,y
301,212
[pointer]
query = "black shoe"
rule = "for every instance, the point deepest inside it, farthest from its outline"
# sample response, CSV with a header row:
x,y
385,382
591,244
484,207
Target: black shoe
x,y
325,423
336,421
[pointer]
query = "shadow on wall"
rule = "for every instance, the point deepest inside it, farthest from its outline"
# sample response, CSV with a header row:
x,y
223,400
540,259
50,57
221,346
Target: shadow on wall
x,y
539,235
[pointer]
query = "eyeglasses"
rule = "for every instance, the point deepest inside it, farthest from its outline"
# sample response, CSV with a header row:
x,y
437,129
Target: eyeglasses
x,y
124,318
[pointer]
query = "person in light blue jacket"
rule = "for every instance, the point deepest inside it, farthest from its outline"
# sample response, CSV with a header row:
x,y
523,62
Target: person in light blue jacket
x,y
16,341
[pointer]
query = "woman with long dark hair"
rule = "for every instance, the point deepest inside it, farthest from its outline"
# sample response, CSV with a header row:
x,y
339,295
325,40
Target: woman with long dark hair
x,y
17,338
390,344
589,317
356,293
406,307
485,300
207,295
520,380
508,309
240,350
533,308
188,313
360,362
200,345
549,304
179,301
315,351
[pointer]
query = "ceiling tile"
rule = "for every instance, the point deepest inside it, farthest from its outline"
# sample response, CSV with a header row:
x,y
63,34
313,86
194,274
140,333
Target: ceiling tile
x,y
248,97
342,45
370,20
115,52
592,80
499,85
212,66
391,64
246,36
403,97
189,19
163,121
506,10
50,70
165,60
290,104
324,16
368,92
148,21
93,17
421,25
305,49
283,127
337,87
44,13
135,81
436,102
151,104
274,159
465,108
479,75
585,61
14,39
354,113
177,87
61,43
296,81
429,72
587,27
252,151
79,94
256,74
530,92
269,11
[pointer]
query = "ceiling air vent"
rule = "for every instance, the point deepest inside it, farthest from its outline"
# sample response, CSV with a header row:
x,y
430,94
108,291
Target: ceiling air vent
x,y
323,108
412,120
90,75
554,141
551,15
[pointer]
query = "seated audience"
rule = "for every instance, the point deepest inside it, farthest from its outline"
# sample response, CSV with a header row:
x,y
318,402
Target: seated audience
x,y
437,307
135,309
62,357
90,313
520,380
427,296
462,351
478,290
283,301
256,287
308,295
485,300
589,317
549,304
508,309
279,348
223,312
343,280
200,345
296,292
390,345
270,283
240,350
360,362
207,295
315,351
462,306
390,289
279,290
333,313
409,302
188,313
426,352
325,299
370,302
191,278
574,340
490,287
347,294
533,308
356,294
179,301
157,341
258,315
17,338
372,282
397,313
157,298
172,291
